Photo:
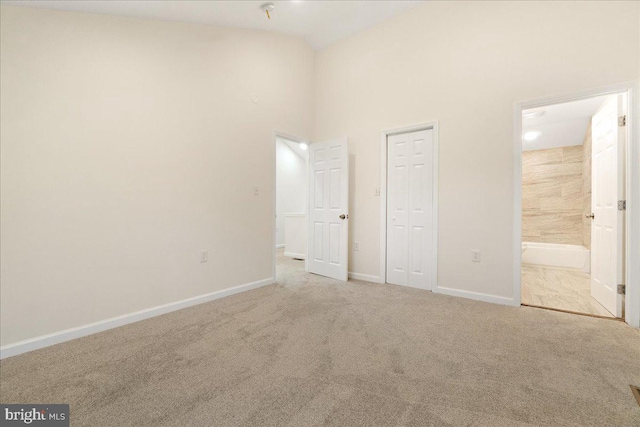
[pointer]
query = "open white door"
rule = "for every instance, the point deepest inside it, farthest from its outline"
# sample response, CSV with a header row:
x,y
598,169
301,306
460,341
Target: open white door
x,y
607,229
329,209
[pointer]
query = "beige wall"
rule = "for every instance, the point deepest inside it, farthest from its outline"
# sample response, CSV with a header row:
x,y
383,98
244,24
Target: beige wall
x,y
130,145
464,64
586,189
127,147
552,195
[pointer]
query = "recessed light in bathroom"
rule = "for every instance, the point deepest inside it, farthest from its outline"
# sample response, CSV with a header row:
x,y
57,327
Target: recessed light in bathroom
x,y
533,114
304,146
531,135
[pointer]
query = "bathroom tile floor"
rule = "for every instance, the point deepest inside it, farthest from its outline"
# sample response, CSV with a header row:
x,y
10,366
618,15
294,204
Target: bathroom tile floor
x,y
560,288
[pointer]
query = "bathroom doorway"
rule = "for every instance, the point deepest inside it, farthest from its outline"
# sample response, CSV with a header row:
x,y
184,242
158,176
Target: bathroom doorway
x,y
573,175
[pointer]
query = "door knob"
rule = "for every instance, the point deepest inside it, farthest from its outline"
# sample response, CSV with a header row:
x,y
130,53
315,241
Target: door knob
x,y
343,216
592,216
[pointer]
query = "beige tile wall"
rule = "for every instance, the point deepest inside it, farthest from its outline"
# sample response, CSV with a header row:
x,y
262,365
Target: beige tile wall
x,y
553,195
586,189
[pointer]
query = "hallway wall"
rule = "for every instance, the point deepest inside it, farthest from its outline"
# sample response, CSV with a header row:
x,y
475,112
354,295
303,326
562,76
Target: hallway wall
x,y
291,185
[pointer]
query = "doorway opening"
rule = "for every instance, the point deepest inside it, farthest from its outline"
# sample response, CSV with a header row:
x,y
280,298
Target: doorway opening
x,y
291,163
572,208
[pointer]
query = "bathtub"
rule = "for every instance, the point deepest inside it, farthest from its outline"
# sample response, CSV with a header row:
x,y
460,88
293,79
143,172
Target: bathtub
x,y
557,255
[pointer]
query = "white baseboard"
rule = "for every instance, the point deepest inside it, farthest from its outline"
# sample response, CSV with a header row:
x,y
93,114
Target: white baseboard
x,y
446,291
295,255
281,245
476,296
103,325
364,277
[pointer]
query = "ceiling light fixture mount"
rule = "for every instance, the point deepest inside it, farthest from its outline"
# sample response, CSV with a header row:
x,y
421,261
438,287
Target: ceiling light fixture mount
x,y
267,7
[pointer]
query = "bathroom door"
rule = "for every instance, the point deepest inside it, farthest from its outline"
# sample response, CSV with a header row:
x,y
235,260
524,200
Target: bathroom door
x,y
607,226
409,209
328,209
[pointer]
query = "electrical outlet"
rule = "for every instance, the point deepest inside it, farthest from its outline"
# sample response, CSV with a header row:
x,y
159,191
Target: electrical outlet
x,y
256,190
356,246
376,191
204,256
475,255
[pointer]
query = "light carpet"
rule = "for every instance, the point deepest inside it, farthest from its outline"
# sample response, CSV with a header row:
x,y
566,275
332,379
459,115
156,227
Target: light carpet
x,y
313,351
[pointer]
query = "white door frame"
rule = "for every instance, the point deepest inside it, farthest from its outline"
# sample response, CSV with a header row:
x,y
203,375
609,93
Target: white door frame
x,y
275,135
383,197
632,189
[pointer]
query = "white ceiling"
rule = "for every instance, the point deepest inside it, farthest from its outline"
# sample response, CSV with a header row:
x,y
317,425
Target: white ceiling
x,y
562,125
320,23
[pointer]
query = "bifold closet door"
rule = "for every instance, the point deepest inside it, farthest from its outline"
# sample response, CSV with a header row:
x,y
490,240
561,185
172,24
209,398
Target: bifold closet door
x,y
409,209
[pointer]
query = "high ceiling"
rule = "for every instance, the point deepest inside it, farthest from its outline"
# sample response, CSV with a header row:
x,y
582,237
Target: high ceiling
x,y
320,23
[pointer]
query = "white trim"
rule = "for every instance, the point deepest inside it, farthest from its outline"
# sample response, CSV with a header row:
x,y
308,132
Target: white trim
x,y
114,322
277,134
307,213
383,197
517,206
295,255
364,277
495,299
632,217
632,224
280,246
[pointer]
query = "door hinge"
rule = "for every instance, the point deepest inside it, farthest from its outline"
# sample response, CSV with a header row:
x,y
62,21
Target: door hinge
x,y
622,205
622,289
622,120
